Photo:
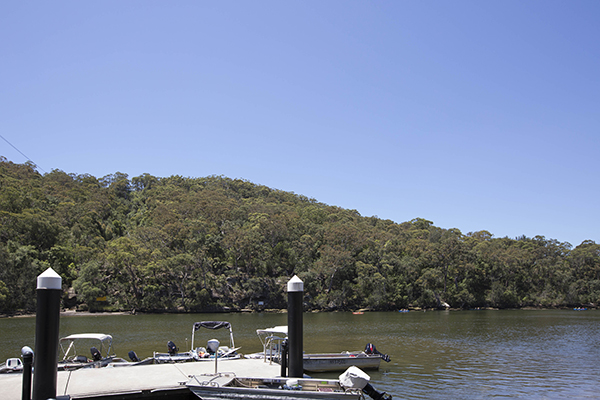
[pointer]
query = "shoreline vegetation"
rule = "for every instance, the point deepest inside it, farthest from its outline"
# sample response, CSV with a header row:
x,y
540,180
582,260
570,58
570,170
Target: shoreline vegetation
x,y
216,244
75,313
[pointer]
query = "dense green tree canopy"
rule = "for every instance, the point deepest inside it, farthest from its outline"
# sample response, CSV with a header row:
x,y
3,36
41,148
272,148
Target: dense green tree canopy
x,y
214,243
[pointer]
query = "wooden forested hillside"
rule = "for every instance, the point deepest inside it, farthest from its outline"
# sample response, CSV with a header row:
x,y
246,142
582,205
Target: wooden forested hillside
x,y
207,244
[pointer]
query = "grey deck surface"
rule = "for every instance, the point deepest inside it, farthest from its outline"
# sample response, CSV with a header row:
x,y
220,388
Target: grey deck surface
x,y
88,382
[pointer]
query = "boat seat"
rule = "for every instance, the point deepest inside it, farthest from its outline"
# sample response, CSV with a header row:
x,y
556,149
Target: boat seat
x,y
80,358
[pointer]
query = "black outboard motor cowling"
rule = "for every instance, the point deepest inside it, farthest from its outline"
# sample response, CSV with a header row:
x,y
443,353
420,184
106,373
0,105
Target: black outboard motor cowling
x,y
133,357
374,394
96,356
370,349
171,348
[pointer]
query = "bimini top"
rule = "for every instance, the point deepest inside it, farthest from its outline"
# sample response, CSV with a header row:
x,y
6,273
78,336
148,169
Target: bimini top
x,y
79,338
282,329
271,339
96,336
212,325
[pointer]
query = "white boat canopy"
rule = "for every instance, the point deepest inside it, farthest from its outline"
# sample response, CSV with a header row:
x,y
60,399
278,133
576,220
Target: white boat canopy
x,y
95,336
282,330
104,340
271,339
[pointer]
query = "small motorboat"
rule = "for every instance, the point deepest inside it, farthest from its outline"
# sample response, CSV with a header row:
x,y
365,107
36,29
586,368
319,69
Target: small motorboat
x,y
100,351
271,339
212,349
328,362
73,357
172,355
350,386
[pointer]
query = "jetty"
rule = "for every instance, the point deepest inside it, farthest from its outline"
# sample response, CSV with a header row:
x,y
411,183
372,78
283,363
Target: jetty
x,y
155,381
133,381
118,381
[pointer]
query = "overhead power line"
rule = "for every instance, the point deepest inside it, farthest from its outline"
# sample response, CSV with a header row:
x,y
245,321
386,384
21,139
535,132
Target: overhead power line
x,y
20,152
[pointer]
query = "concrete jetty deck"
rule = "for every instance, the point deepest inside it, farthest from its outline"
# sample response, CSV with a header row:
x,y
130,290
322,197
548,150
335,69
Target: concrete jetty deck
x,y
138,382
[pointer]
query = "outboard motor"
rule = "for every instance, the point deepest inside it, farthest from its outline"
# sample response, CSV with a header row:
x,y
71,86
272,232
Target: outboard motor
x,y
171,348
374,394
96,356
212,346
14,364
284,357
355,378
133,357
370,349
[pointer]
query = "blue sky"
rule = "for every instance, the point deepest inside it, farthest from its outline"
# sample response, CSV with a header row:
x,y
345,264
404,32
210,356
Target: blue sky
x,y
475,115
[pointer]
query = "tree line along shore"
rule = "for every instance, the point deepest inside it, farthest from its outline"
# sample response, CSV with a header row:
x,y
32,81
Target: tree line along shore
x,y
212,244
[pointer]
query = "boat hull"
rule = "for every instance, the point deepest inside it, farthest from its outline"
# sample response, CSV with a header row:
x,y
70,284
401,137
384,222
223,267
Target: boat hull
x,y
224,388
266,394
340,362
166,358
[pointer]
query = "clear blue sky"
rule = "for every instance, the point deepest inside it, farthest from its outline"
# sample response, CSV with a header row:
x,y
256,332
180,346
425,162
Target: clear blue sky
x,y
476,115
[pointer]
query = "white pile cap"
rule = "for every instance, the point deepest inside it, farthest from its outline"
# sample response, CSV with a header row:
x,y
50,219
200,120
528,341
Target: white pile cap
x,y
295,285
49,279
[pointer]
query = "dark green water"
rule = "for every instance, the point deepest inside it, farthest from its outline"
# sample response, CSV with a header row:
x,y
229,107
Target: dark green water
x,y
541,354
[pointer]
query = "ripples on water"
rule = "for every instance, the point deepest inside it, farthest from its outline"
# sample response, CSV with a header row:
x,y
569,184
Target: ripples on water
x,y
539,354
484,354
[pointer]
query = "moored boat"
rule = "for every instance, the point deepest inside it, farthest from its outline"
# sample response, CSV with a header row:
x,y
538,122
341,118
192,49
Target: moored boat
x,y
73,357
100,351
201,353
271,339
350,386
329,362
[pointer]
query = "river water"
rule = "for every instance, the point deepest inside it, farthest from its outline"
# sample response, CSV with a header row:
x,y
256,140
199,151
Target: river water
x,y
539,354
